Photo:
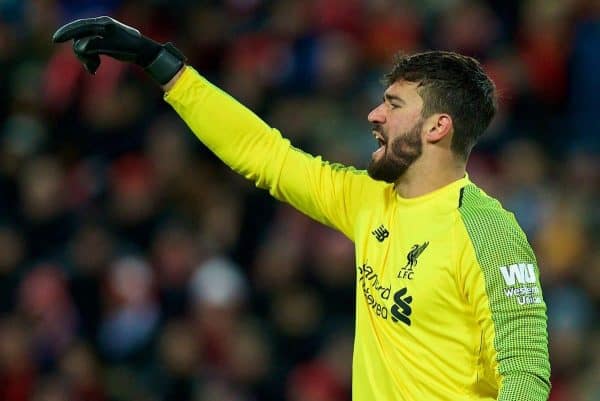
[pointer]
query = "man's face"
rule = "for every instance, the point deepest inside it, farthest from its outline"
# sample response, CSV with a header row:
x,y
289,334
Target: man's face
x,y
397,125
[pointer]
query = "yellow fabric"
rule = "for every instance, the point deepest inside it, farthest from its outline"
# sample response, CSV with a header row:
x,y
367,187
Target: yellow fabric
x,y
258,152
439,356
424,330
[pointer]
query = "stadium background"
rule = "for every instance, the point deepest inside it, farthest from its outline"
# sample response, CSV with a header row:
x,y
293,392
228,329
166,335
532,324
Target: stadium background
x,y
135,266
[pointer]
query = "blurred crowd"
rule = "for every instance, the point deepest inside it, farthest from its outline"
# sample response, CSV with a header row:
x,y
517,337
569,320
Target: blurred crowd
x,y
135,266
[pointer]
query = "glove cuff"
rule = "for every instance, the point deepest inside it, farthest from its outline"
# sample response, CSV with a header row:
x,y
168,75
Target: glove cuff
x,y
166,64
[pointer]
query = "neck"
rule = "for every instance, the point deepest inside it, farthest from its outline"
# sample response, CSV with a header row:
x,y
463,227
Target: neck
x,y
427,175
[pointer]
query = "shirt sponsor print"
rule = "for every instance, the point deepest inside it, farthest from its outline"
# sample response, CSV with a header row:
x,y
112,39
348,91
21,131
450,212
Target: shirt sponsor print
x,y
377,295
521,283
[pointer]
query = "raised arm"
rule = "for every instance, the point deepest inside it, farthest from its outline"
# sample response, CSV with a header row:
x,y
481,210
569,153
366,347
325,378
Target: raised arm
x,y
330,193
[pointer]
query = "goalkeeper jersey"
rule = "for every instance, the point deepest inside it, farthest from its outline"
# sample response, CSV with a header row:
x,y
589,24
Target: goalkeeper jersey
x,y
448,301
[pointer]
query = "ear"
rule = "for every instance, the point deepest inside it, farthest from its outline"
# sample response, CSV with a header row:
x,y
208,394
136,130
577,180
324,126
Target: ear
x,y
439,128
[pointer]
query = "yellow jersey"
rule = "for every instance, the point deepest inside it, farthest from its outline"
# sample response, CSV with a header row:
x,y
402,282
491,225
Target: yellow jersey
x,y
448,300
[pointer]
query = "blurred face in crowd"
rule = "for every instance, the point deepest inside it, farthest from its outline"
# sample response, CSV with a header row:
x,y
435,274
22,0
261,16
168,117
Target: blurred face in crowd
x,y
397,126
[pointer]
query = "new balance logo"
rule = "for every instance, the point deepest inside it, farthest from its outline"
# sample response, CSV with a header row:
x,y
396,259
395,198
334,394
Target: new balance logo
x,y
522,273
401,309
381,233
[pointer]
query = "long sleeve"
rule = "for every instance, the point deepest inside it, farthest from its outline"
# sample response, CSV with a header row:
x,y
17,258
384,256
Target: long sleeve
x,y
500,280
329,193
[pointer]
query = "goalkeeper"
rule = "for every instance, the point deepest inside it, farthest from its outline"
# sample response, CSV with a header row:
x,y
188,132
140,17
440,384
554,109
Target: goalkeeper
x,y
448,299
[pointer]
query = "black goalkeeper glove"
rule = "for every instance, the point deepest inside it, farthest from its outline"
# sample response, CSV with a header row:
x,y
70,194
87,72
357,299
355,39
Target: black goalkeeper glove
x,y
104,35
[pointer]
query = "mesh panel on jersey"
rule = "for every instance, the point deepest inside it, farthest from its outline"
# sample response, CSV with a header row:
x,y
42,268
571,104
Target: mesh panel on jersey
x,y
521,340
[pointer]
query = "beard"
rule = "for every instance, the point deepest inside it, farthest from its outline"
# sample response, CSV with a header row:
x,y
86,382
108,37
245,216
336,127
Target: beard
x,y
398,155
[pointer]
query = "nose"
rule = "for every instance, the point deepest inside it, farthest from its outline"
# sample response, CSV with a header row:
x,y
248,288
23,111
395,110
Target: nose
x,y
376,116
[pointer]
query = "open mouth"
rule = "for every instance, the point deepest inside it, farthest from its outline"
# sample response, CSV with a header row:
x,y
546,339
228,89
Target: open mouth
x,y
380,140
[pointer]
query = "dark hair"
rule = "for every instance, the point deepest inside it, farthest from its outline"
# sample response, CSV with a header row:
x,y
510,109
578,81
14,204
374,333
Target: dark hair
x,y
454,84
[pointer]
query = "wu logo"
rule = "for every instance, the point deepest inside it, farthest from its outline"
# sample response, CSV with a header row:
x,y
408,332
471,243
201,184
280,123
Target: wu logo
x,y
411,260
381,233
401,309
522,273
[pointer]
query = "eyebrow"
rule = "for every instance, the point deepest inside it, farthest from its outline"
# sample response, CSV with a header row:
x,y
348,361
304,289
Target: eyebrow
x,y
389,97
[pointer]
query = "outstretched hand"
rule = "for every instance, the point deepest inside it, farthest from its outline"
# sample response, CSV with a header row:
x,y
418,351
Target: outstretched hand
x,y
97,26
105,35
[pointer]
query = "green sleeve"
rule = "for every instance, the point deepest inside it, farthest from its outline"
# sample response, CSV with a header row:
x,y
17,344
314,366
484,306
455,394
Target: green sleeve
x,y
511,304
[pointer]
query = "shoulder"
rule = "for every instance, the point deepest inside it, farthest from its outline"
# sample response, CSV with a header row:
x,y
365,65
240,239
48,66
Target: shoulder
x,y
479,209
493,231
360,178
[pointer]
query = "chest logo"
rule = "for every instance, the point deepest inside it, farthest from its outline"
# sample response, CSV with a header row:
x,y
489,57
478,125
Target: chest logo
x,y
401,309
411,260
381,233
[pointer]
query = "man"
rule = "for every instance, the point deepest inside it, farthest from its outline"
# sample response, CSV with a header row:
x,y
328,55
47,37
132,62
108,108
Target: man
x,y
448,300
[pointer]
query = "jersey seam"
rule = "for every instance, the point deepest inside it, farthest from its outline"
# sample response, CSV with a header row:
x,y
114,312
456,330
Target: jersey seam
x,y
494,323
